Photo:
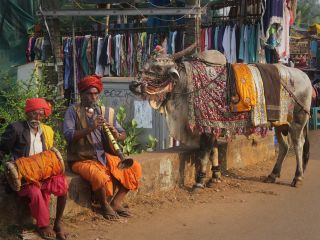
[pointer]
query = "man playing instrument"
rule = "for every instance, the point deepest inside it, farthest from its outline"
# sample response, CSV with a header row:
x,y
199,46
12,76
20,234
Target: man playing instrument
x,y
27,138
90,153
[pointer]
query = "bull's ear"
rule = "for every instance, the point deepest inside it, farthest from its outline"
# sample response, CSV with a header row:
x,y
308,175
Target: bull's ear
x,y
173,73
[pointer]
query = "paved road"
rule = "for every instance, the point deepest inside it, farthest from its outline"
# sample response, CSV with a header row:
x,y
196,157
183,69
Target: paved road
x,y
284,213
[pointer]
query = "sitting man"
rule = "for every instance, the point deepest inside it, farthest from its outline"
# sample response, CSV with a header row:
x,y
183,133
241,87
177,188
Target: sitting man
x,y
89,153
26,138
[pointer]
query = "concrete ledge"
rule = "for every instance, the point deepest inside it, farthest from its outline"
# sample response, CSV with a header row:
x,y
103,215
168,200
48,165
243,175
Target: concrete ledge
x,y
244,151
162,171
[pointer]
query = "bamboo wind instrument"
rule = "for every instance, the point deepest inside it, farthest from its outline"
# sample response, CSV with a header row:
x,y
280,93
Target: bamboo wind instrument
x,y
125,162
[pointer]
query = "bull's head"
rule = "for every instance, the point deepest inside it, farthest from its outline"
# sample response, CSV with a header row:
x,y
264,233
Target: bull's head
x,y
159,76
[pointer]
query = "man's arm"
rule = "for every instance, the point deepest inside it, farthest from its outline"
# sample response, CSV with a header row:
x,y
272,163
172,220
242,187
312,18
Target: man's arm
x,y
7,141
120,130
69,126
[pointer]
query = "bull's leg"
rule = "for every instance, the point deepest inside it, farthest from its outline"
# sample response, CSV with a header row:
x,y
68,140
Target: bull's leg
x,y
203,158
298,140
283,150
216,172
201,176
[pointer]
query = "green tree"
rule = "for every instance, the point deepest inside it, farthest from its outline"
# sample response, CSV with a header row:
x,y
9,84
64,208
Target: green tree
x,y
13,95
308,13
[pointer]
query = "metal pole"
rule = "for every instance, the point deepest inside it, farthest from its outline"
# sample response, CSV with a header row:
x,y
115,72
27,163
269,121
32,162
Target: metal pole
x,y
74,62
124,12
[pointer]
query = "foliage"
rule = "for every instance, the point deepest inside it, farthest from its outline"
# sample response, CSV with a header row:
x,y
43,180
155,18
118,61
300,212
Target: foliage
x,y
130,145
13,94
152,143
308,13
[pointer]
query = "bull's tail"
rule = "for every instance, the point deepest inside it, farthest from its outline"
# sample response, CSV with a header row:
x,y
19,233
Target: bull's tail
x,y
306,146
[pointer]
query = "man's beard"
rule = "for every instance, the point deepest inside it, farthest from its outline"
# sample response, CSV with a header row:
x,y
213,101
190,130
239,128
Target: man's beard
x,y
88,104
34,123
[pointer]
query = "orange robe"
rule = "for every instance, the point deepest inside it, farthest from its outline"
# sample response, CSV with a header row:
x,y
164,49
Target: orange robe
x,y
99,175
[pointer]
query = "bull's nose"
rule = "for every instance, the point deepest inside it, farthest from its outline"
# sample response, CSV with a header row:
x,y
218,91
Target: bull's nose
x,y
135,87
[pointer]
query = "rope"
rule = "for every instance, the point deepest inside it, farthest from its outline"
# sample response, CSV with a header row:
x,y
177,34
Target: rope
x,y
204,87
294,97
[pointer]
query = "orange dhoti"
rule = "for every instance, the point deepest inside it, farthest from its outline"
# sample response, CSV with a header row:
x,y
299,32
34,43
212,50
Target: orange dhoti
x,y
99,175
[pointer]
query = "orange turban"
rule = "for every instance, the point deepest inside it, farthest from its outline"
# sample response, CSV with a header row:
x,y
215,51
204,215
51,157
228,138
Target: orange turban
x,y
33,104
90,81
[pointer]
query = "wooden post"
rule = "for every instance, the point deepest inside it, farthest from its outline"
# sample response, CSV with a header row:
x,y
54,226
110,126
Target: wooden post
x,y
74,62
107,20
198,26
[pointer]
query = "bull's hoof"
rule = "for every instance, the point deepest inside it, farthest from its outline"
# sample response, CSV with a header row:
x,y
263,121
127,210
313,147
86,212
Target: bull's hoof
x,y
270,179
212,182
197,187
296,182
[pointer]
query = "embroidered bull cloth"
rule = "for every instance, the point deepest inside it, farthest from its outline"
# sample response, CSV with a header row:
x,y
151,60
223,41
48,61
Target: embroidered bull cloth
x,y
258,112
245,88
208,111
271,83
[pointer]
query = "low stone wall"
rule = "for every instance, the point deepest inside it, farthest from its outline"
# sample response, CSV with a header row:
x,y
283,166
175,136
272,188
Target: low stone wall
x,y
244,152
162,171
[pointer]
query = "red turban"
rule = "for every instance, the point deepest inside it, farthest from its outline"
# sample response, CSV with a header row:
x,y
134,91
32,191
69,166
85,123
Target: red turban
x,y
90,81
33,104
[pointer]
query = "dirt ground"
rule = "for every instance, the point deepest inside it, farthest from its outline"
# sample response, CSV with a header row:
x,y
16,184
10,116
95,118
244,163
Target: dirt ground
x,y
90,225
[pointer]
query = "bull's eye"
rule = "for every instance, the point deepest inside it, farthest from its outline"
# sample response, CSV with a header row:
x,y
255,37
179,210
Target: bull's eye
x,y
146,67
156,69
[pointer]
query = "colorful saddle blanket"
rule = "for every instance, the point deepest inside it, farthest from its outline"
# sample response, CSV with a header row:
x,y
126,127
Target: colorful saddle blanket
x,y
208,109
210,112
259,88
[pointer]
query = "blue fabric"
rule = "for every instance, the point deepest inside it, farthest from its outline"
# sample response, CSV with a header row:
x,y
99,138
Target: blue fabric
x,y
169,48
252,44
216,35
313,48
246,43
241,44
67,49
220,38
274,8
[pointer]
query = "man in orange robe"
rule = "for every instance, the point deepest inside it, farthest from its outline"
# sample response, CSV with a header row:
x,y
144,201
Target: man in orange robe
x,y
89,151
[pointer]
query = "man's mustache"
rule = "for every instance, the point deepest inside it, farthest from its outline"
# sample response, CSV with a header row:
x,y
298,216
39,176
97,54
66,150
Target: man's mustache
x,y
34,123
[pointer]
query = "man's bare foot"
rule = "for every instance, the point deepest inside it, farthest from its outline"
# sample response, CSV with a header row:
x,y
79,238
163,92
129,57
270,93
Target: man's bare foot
x,y
60,233
109,214
121,211
46,232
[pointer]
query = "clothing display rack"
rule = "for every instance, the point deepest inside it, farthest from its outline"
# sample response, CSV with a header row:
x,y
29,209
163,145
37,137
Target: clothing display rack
x,y
195,11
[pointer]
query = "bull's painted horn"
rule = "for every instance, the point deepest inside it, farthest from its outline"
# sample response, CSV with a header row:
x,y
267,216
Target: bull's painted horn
x,y
184,52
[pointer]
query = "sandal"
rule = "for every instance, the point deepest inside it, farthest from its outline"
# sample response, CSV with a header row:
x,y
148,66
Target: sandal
x,y
110,216
123,212
45,235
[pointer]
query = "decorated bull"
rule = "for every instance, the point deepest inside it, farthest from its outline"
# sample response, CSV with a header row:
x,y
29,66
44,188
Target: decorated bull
x,y
204,98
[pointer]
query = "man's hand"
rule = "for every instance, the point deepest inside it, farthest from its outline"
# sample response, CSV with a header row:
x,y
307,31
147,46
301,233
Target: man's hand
x,y
113,130
98,122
